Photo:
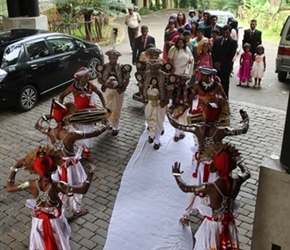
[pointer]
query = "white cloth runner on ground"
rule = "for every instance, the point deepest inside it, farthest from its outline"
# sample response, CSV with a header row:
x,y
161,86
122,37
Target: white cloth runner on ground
x,y
149,203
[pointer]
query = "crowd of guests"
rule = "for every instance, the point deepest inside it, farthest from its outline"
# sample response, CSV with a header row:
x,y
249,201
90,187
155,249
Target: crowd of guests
x,y
210,45
195,63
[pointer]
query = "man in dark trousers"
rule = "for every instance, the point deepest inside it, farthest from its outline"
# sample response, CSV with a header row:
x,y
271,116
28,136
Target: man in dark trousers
x,y
223,51
132,20
213,25
253,37
141,43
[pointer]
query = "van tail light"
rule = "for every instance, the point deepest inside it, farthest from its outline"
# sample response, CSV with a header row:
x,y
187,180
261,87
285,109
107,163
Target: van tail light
x,y
3,74
280,51
284,51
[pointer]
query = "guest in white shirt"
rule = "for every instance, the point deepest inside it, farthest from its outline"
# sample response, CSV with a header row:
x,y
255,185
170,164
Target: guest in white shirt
x,y
132,20
180,57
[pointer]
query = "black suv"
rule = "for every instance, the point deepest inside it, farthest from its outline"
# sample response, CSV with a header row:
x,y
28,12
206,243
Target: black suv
x,y
34,62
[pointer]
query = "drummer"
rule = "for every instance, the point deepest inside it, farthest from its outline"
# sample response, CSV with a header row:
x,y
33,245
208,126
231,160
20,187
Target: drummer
x,y
63,140
114,78
84,92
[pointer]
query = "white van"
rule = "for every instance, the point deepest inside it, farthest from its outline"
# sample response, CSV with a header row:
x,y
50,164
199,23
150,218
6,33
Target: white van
x,y
222,16
283,55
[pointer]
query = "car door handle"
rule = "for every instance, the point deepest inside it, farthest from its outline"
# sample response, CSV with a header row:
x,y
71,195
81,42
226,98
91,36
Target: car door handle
x,y
34,66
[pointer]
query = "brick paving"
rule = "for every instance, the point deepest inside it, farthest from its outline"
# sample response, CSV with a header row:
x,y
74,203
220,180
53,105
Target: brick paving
x,y
111,155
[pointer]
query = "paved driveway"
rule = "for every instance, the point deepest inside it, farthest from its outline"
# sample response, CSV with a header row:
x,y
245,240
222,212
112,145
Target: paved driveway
x,y
111,155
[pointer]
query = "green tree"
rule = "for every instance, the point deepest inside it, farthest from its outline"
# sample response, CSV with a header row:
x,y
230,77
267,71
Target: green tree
x,y
203,4
193,4
87,8
188,4
266,12
276,3
164,4
229,5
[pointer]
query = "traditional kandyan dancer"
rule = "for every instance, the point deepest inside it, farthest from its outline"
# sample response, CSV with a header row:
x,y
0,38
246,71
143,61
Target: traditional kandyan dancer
x,y
218,229
50,229
115,78
208,133
63,140
180,105
208,87
151,53
142,66
84,92
155,90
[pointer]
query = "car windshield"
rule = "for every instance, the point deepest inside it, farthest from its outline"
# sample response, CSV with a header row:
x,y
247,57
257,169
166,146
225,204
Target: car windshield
x,y
222,17
10,56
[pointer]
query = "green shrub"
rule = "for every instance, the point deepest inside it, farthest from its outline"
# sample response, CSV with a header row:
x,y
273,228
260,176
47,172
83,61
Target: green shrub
x,y
80,32
144,11
155,7
269,20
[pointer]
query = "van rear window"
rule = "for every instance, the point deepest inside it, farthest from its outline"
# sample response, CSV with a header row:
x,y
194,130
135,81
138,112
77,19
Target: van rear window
x,y
288,34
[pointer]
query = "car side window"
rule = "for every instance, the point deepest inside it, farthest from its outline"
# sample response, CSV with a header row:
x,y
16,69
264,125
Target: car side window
x,y
61,45
80,44
37,50
10,56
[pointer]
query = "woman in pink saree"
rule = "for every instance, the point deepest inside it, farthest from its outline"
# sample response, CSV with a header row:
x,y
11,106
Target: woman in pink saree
x,y
169,34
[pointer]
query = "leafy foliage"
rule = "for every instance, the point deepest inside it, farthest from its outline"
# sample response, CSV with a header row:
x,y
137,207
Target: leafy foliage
x,y
92,13
267,16
143,11
111,7
192,4
155,7
227,5
203,4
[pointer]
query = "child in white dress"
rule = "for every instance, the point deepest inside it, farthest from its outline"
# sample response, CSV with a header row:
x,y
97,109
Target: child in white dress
x,y
259,66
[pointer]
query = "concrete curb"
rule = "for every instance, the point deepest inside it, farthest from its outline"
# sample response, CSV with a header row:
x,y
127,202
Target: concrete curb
x,y
256,106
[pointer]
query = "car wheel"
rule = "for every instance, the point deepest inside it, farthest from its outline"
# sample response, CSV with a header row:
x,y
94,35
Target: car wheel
x,y
92,68
282,76
28,97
